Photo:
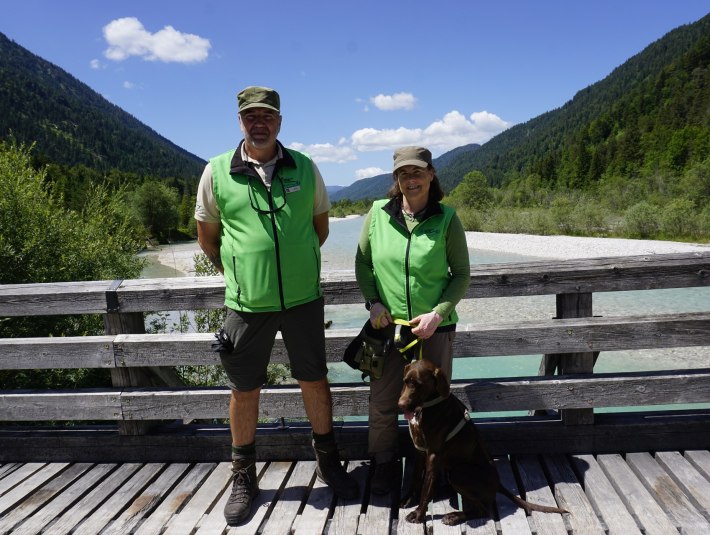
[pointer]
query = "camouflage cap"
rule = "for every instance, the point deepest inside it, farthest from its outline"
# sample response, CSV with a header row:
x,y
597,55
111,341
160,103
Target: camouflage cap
x,y
258,97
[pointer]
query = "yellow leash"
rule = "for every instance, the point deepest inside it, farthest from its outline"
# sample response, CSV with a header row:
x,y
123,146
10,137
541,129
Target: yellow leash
x,y
411,344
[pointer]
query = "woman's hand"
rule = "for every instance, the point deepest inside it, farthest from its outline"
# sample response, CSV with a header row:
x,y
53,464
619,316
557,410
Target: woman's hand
x,y
379,316
425,325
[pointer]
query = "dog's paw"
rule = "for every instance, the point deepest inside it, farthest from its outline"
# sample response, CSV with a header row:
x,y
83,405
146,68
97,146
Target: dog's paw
x,y
453,519
415,517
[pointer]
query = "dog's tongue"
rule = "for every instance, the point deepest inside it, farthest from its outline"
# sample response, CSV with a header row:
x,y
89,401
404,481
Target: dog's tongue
x,y
409,415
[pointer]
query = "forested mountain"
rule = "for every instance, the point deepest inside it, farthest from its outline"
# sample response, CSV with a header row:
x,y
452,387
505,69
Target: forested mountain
x,y
650,114
73,125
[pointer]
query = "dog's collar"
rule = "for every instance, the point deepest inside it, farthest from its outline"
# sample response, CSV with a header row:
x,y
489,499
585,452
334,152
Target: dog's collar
x,y
432,402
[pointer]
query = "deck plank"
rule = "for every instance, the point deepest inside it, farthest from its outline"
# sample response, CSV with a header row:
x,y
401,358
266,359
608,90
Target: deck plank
x,y
654,495
187,519
571,497
146,501
513,520
123,496
284,513
40,497
184,490
317,509
639,502
686,476
669,495
346,516
536,489
603,497
19,475
88,503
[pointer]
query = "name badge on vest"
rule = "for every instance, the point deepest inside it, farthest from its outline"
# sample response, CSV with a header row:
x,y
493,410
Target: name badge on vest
x,y
292,186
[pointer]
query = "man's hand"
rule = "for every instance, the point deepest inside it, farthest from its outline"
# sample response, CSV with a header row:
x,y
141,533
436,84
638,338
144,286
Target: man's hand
x,y
208,236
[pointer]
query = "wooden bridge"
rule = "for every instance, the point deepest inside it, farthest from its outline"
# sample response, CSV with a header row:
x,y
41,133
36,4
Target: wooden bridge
x,y
149,462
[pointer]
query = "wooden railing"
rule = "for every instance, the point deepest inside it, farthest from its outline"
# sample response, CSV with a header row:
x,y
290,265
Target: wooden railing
x,y
146,390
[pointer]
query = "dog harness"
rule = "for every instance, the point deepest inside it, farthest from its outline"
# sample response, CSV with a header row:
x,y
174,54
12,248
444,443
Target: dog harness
x,y
459,426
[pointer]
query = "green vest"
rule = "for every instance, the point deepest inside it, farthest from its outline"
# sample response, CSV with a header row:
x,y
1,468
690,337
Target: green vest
x,y
269,247
411,270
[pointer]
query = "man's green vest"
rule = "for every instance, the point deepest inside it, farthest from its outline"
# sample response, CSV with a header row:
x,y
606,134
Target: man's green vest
x,y
269,247
411,270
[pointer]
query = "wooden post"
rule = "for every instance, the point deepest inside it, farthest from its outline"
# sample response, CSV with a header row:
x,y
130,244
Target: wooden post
x,y
571,306
116,322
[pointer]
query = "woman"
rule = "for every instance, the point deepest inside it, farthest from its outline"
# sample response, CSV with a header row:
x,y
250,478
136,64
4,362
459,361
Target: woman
x,y
411,264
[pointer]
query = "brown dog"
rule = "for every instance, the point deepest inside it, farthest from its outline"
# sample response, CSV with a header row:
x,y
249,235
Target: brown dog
x,y
449,441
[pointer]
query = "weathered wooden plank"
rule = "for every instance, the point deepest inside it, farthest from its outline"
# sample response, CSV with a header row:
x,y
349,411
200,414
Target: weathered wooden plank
x,y
142,505
700,459
36,522
378,515
512,517
635,496
577,335
182,492
39,405
590,275
314,516
56,298
270,482
480,526
12,498
535,486
88,503
5,469
19,475
670,497
286,509
493,280
187,519
346,515
603,497
123,496
571,497
691,482
56,352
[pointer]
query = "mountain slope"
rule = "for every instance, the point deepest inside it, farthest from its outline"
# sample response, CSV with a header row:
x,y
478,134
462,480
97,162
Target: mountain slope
x,y
72,124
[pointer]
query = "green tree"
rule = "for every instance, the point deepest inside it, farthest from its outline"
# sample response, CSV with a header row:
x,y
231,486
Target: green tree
x,y
41,241
473,191
157,207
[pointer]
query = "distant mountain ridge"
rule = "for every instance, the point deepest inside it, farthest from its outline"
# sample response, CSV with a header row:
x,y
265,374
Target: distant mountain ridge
x,y
73,125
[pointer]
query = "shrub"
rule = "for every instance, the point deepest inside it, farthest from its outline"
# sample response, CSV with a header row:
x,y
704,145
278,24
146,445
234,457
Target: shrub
x,y
641,221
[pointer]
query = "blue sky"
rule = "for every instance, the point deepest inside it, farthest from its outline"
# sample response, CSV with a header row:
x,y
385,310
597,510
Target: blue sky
x,y
357,79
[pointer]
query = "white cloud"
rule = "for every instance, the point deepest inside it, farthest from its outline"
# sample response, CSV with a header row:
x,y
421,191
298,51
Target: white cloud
x,y
95,64
367,172
398,101
127,37
128,85
326,152
453,130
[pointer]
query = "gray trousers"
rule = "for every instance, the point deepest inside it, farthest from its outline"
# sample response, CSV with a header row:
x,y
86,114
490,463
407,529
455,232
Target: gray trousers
x,y
382,435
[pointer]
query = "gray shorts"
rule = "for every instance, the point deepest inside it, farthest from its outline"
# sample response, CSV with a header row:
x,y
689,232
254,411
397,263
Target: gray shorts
x,y
253,334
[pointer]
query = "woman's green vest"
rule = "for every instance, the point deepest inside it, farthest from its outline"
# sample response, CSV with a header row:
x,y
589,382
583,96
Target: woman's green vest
x,y
269,247
411,270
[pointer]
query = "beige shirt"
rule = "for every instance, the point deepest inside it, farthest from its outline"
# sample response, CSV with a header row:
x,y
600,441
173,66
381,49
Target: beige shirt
x,y
206,208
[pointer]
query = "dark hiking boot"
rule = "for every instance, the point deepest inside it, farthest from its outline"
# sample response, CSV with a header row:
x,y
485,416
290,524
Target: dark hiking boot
x,y
385,477
244,490
331,472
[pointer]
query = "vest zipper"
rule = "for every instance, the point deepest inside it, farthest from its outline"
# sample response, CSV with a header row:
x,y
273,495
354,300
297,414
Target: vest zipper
x,y
239,287
272,215
406,276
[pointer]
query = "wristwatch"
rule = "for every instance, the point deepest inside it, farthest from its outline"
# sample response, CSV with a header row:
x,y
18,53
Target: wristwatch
x,y
370,303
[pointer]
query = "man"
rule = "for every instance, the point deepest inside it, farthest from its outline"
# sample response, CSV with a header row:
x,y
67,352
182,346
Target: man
x,y
262,215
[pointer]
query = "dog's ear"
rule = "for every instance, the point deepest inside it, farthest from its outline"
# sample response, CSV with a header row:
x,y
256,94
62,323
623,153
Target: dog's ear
x,y
442,383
